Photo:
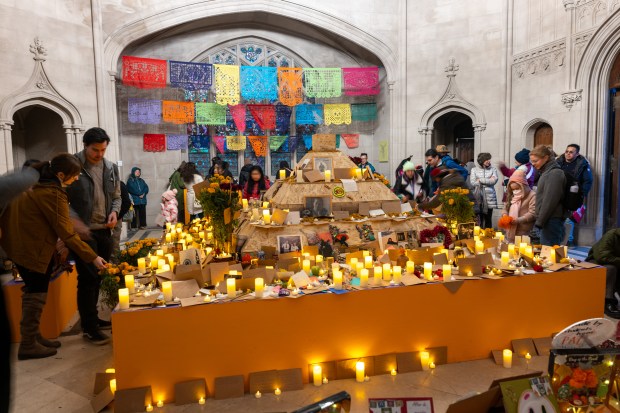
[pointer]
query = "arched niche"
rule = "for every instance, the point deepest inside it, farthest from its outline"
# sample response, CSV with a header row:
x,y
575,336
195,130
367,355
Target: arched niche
x,y
530,130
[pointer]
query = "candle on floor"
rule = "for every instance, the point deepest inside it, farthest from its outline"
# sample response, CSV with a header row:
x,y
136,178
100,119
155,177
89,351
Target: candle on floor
x,y
447,272
397,274
338,280
113,385
378,274
428,270
425,357
306,266
201,400
387,272
367,261
231,287
317,375
359,372
130,283
149,407
166,289
258,394
142,265
393,372
123,298
259,287
507,358
364,278
160,403
431,365
410,267
505,257
278,392
328,175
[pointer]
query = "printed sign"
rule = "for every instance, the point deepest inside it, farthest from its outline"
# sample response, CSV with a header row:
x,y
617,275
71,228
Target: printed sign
x,y
585,334
402,405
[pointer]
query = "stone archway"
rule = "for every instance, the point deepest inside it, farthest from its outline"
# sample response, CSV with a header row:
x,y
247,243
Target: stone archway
x,y
37,133
536,132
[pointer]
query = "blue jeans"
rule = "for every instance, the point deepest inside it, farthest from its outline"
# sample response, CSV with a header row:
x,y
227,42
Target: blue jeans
x,y
553,232
571,236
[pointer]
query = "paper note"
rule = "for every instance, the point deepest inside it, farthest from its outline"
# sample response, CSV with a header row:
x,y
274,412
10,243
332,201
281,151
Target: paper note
x,y
384,151
349,185
300,279
405,207
376,212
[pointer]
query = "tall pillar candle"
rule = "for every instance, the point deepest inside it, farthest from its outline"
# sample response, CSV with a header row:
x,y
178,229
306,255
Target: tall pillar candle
x,y
505,257
244,204
328,175
378,275
142,265
368,261
306,266
319,260
477,230
168,238
266,217
479,247
511,250
360,373
259,287
130,283
397,274
552,256
317,375
425,358
428,270
123,298
231,287
338,280
410,267
166,289
387,272
282,174
447,272
359,267
364,278
353,262
507,358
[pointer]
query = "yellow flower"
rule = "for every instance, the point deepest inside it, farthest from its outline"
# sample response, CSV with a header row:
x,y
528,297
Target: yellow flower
x,y
211,190
214,185
465,191
451,201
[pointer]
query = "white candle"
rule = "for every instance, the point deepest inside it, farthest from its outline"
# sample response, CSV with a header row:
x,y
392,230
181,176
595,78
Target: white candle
x,y
507,358
142,265
397,272
244,204
113,386
447,272
161,263
259,287
317,375
258,394
367,261
353,262
179,230
479,247
153,262
517,240
306,266
428,270
278,392
526,239
529,251
166,289
505,258
378,275
431,365
160,403
160,253
328,175
130,283
282,173
149,407
387,272
410,267
265,204
201,400
552,256
123,298
359,267
266,217
168,238
338,280
393,372
365,253
511,250
359,372
364,278
201,234
476,230
319,259
425,359
231,287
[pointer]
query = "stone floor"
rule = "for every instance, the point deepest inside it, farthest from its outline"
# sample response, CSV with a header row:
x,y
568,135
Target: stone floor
x,y
64,384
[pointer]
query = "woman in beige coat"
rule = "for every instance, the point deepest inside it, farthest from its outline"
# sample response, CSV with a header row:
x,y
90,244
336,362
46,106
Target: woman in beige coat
x,y
520,206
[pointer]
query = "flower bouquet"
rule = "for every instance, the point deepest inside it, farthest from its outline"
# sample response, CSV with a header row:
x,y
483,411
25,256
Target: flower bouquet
x,y
457,207
112,278
135,250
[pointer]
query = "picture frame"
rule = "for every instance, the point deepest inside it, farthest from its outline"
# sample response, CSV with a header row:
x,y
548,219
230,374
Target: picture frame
x,y
465,230
318,206
289,243
323,164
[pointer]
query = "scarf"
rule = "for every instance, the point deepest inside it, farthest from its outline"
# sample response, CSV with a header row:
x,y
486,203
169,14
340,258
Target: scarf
x,y
515,207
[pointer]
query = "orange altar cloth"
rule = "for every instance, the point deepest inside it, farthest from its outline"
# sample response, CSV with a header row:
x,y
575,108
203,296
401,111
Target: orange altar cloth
x,y
216,340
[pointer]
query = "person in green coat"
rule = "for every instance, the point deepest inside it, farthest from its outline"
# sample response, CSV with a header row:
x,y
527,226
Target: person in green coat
x,y
176,182
606,252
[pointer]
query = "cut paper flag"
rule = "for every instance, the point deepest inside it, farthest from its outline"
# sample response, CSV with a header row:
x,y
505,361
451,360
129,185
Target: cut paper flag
x,y
308,114
238,114
177,112
259,83
190,75
290,90
220,143
364,112
199,143
260,145
154,142
361,81
210,114
275,142
226,84
352,140
337,114
384,151
146,111
283,119
293,142
308,141
235,143
144,73
264,115
176,142
323,82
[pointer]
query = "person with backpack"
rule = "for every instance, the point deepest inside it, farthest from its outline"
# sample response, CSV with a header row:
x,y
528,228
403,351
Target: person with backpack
x,y
483,179
578,167
550,193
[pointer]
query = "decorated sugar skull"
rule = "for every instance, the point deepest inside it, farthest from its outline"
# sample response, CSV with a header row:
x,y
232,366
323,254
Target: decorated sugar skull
x,y
529,402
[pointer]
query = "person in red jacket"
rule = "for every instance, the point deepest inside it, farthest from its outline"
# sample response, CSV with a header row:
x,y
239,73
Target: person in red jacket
x,y
258,182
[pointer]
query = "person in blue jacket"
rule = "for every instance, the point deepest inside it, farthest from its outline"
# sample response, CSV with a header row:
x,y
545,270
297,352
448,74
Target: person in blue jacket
x,y
138,189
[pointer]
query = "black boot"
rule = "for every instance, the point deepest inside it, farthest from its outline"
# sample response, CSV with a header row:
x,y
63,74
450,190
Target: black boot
x,y
42,299
30,348
611,308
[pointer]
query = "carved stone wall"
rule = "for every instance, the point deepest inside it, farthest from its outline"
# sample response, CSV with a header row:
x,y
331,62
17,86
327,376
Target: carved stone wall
x,y
543,60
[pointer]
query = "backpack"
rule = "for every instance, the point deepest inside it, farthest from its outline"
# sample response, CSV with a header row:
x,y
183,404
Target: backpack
x,y
573,195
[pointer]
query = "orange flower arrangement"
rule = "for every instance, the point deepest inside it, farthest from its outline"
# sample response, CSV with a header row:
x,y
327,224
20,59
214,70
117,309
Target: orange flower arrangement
x,y
505,221
583,378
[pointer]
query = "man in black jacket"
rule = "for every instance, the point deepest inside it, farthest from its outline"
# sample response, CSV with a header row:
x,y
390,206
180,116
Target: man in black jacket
x,y
606,251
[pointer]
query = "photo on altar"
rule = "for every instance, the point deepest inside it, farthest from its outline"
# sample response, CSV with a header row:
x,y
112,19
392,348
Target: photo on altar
x,y
465,230
387,239
289,243
317,206
323,164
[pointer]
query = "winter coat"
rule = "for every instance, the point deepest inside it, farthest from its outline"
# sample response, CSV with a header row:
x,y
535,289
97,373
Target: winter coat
x,y
244,174
36,220
255,191
451,181
402,188
527,212
136,187
450,163
550,193
527,168
487,178
191,200
582,172
125,201
169,207
14,184
606,251
176,182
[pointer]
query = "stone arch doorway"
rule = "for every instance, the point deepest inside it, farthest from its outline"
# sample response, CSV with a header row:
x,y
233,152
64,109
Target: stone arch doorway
x,y
37,133
538,132
456,131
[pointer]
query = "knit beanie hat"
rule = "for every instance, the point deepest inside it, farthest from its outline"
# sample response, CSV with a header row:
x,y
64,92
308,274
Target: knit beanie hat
x,y
523,156
408,166
518,177
483,157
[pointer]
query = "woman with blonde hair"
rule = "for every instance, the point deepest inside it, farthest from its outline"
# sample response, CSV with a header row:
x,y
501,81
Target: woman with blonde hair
x,y
519,211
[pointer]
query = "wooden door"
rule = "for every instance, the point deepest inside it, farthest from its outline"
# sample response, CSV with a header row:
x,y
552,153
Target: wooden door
x,y
464,149
543,135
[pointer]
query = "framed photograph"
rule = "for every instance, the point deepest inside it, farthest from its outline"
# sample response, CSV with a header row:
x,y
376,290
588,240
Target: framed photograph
x,y
323,164
289,243
465,230
318,206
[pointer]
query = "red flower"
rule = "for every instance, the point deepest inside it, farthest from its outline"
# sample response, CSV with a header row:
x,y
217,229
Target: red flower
x,y
417,274
538,268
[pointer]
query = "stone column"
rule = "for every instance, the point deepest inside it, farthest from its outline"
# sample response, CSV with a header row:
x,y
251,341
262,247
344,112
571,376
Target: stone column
x,y
478,129
6,142
111,125
70,136
395,143
569,6
426,134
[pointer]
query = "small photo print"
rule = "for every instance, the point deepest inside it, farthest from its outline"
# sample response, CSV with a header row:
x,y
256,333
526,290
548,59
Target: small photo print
x,y
289,243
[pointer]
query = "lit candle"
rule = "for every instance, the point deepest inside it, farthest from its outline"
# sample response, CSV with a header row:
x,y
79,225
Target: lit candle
x,y
387,272
359,267
160,403
233,272
142,265
160,253
338,280
265,205
528,356
529,251
425,359
161,263
130,283
410,267
328,175
507,358
476,238
110,371
317,375
168,238
201,234
113,385
499,235
201,400
431,365
319,259
479,247
166,288
266,217
364,278
359,372
282,174
505,258
517,240
179,230
123,298
165,268
325,381
470,274
259,287
353,262
477,230
258,394
397,272
522,247
552,256
335,266
511,250
428,270
447,272
365,253
231,287
378,275
306,266
153,263
393,372
526,239
368,261
278,391
244,204
149,407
